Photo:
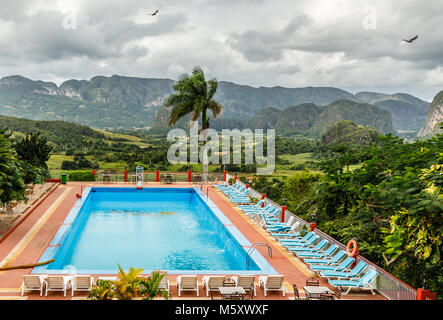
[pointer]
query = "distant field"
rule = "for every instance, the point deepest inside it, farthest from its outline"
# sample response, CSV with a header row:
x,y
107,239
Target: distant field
x,y
126,137
55,161
294,161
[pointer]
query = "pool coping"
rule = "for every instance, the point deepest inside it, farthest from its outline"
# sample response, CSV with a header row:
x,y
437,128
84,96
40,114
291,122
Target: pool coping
x,y
64,229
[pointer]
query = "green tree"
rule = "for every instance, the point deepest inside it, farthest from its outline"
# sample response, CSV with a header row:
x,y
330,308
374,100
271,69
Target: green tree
x,y
195,95
11,182
34,149
102,290
127,285
392,203
150,287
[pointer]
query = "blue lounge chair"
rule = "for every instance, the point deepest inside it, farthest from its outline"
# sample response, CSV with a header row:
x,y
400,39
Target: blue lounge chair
x,y
269,208
280,226
307,244
263,219
271,216
228,187
353,273
288,233
221,186
297,239
288,223
255,206
242,201
327,253
234,190
238,200
238,188
240,194
319,246
362,283
342,266
326,261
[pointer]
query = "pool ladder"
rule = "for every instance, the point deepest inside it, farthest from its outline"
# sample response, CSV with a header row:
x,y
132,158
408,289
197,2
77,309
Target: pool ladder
x,y
207,191
253,247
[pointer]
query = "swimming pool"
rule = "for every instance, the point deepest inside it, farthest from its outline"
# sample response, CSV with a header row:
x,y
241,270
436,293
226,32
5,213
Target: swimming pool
x,y
175,229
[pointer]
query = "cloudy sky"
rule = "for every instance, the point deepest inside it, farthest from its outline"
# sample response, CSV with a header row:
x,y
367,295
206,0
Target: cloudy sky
x,y
352,44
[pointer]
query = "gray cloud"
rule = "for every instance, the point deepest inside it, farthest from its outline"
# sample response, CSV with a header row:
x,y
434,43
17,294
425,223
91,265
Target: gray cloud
x,y
255,42
302,33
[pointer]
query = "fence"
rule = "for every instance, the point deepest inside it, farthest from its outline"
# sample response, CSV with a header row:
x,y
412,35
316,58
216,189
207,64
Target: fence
x,y
386,284
148,176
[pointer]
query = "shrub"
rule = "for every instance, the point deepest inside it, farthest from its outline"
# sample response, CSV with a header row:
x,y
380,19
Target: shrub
x,y
69,165
81,176
185,168
33,174
300,166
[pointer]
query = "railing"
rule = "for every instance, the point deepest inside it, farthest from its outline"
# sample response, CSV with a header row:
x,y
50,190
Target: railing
x,y
253,247
386,284
148,176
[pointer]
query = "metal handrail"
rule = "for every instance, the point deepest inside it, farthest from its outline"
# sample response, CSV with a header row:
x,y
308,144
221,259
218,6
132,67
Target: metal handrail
x,y
253,247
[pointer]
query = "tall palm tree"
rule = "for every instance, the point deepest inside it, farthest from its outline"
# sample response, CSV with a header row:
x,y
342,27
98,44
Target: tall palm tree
x,y
195,95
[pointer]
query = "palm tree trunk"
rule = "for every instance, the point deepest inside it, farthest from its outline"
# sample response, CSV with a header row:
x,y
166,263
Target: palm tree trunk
x,y
205,156
205,125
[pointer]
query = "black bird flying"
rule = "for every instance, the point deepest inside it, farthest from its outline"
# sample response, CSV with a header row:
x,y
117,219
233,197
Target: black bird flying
x,y
410,40
153,14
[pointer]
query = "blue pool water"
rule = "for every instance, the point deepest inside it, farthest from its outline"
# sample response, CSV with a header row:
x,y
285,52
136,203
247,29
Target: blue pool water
x,y
174,229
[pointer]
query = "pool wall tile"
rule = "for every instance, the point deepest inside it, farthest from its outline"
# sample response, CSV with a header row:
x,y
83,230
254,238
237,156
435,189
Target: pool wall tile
x,y
60,235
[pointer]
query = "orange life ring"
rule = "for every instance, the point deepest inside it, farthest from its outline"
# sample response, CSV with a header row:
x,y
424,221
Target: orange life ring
x,y
352,243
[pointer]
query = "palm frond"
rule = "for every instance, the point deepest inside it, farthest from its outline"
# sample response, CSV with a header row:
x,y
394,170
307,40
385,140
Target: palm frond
x,y
178,112
216,108
213,85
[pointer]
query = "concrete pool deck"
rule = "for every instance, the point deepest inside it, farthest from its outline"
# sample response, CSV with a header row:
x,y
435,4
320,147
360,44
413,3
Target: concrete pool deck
x,y
27,242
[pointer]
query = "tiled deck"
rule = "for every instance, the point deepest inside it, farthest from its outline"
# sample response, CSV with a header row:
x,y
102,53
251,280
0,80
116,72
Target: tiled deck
x,y
26,244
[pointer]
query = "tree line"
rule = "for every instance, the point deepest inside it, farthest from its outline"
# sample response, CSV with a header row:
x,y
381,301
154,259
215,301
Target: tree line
x,y
392,202
22,162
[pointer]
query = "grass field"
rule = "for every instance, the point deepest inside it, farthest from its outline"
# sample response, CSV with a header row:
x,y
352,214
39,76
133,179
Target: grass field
x,y
55,161
126,137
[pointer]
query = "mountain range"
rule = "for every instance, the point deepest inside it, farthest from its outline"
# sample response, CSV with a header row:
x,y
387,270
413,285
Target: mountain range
x,y
119,102
306,119
434,118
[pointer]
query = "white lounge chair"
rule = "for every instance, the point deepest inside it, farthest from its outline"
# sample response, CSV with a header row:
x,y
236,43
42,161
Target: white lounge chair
x,y
164,283
187,283
58,283
33,283
272,283
82,283
212,283
246,282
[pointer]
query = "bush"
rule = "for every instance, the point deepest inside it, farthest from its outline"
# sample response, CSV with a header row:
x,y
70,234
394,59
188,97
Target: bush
x,y
33,174
69,165
81,176
300,166
185,168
